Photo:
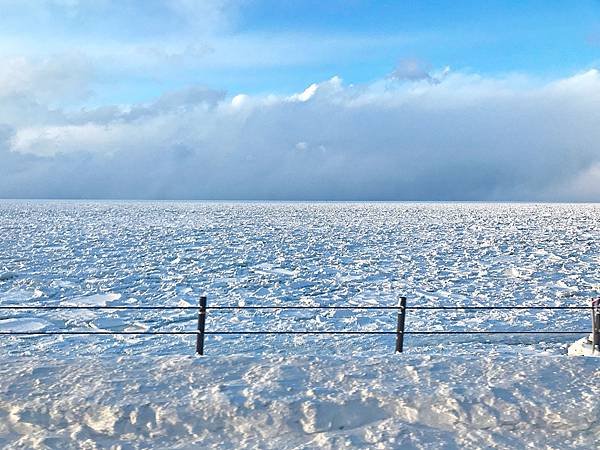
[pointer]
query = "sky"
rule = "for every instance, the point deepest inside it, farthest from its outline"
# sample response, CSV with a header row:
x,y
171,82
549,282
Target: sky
x,y
300,100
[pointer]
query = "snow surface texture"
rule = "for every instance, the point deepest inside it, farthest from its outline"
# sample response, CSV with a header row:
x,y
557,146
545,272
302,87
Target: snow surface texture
x,y
302,402
275,392
163,253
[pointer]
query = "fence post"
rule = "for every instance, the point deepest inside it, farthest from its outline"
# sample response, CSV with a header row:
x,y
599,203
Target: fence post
x,y
400,327
201,326
595,324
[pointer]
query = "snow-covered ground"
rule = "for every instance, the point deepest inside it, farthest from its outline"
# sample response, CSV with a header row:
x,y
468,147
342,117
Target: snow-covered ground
x,y
162,253
301,402
507,391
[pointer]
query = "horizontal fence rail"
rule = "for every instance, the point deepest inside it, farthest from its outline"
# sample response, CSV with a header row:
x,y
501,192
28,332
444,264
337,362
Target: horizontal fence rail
x,y
389,308
400,331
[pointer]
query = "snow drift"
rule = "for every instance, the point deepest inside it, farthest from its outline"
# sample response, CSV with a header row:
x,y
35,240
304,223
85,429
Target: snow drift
x,y
301,402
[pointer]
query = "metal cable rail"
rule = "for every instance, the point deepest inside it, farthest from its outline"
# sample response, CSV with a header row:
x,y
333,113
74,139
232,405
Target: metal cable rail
x,y
389,308
400,332
239,332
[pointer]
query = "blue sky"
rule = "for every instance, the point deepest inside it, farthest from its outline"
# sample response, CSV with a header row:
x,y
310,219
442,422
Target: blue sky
x,y
254,46
270,92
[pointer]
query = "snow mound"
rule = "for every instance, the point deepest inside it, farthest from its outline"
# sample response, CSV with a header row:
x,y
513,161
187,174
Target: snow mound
x,y
582,347
236,402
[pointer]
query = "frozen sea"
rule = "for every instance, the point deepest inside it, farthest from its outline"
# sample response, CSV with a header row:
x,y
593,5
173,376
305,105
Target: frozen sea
x,y
169,253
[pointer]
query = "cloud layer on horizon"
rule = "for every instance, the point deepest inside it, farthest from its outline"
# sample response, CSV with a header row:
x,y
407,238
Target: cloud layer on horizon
x,y
462,137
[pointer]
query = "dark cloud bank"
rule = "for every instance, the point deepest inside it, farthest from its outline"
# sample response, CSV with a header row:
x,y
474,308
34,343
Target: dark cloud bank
x,y
464,137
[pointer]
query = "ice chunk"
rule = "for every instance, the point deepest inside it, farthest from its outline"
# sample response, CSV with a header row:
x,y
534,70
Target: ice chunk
x,y
7,276
23,324
17,296
93,300
512,272
268,269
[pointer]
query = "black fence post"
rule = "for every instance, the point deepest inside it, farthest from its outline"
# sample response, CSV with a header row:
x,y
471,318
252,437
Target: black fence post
x,y
595,324
400,327
201,326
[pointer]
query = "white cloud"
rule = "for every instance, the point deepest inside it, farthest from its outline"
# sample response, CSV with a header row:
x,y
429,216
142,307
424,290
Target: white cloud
x,y
466,137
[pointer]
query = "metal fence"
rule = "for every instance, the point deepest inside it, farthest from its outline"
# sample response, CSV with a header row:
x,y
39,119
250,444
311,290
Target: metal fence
x,y
401,312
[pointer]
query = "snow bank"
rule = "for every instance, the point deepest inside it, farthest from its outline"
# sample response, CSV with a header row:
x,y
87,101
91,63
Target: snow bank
x,y
582,347
301,402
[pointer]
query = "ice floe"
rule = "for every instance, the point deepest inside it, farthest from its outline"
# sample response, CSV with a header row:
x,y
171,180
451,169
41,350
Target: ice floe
x,y
353,254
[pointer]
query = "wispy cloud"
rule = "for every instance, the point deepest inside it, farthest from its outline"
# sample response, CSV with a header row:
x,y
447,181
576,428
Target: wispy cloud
x,y
58,78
